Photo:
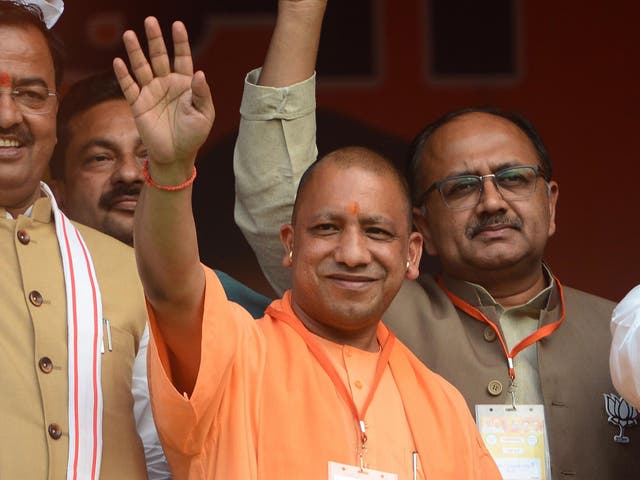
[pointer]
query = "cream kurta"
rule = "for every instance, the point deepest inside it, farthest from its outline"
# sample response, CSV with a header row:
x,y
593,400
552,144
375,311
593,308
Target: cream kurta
x,y
33,350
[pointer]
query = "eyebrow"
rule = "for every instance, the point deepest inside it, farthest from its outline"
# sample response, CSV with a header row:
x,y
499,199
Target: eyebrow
x,y
105,143
500,166
375,220
98,142
362,219
20,82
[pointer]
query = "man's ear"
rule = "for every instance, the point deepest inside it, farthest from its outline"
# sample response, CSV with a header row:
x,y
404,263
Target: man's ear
x,y
422,225
57,187
553,190
414,256
286,237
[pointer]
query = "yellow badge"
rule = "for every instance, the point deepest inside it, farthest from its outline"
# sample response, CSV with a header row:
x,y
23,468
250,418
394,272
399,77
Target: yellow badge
x,y
517,440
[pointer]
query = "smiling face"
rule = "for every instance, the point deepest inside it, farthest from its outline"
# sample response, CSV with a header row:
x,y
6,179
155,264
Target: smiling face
x,y
351,243
495,235
103,169
26,139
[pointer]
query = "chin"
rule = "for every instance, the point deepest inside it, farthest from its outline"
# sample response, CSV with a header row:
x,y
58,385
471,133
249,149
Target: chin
x,y
496,263
356,316
118,227
124,235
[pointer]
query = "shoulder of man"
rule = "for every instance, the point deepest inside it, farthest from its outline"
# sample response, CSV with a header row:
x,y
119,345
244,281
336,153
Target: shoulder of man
x,y
419,298
588,301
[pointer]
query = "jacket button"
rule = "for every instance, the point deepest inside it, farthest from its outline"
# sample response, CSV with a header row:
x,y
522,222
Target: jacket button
x,y
35,298
45,364
23,237
55,431
489,334
494,388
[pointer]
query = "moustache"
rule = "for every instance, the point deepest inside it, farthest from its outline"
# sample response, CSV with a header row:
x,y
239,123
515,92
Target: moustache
x,y
19,132
121,190
481,224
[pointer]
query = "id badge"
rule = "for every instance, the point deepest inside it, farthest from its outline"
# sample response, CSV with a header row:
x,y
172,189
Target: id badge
x,y
339,471
516,439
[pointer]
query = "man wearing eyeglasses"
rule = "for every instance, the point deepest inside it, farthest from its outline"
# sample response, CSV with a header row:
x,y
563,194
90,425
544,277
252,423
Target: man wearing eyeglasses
x,y
496,322
73,312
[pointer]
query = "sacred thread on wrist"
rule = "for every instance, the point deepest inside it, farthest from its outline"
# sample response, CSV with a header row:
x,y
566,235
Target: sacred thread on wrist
x,y
167,188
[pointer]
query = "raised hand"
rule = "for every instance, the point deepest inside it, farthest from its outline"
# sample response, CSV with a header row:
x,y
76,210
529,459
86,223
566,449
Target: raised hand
x,y
173,110
291,57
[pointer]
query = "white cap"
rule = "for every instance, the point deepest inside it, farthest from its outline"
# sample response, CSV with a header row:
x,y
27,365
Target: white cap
x,y
51,9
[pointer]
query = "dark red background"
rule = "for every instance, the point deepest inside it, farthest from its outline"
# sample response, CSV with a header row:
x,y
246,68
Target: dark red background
x,y
576,77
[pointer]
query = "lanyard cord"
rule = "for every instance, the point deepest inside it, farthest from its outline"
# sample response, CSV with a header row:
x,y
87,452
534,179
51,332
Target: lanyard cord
x,y
325,363
525,342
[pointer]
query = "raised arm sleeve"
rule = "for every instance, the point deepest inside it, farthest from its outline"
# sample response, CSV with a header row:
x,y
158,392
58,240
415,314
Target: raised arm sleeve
x,y
232,352
276,143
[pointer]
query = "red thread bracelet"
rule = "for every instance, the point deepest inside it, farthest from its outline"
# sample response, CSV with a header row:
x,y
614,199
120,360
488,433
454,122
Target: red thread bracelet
x,y
166,188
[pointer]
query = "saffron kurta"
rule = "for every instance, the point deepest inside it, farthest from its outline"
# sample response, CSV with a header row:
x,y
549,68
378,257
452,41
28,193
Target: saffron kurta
x,y
264,408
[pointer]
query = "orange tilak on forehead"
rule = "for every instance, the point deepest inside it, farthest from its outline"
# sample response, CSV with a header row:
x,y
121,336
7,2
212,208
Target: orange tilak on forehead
x,y
5,80
354,208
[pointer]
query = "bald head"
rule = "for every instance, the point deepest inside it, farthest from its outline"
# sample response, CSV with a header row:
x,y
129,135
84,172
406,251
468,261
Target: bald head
x,y
360,157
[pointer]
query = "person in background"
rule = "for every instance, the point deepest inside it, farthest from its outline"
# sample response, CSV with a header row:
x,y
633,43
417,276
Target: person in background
x,y
96,168
73,307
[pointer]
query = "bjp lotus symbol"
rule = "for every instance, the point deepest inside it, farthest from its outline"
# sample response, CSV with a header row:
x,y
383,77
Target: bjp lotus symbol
x,y
620,414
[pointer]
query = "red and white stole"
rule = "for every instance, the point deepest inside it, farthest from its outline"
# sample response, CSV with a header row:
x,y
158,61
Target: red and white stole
x,y
84,333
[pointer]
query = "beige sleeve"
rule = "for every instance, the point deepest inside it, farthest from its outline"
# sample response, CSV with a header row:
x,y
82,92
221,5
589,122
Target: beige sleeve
x,y
276,143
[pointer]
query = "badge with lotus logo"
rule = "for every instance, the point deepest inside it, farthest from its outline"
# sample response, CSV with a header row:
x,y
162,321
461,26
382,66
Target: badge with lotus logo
x,y
621,414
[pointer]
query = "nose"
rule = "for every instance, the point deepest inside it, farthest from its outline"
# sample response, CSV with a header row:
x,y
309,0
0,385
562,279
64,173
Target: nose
x,y
128,170
491,199
352,249
10,115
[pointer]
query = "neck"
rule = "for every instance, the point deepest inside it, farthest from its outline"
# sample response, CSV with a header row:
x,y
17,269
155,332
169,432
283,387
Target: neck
x,y
22,204
515,295
511,290
14,212
363,338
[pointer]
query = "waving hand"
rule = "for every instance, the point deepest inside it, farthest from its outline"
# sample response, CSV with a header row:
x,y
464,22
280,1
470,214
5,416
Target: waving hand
x,y
173,110
174,113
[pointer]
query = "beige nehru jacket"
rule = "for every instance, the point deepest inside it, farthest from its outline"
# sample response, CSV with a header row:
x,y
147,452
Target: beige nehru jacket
x,y
33,350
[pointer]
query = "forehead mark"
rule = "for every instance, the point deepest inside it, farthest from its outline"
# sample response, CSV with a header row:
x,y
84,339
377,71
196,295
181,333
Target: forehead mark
x,y
5,80
354,208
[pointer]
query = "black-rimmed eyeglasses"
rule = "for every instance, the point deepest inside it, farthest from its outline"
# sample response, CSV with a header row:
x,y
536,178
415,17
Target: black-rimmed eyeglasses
x,y
464,191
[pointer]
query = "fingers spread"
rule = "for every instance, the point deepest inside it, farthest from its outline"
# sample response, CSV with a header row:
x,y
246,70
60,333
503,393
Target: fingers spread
x,y
129,87
139,65
183,63
157,48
